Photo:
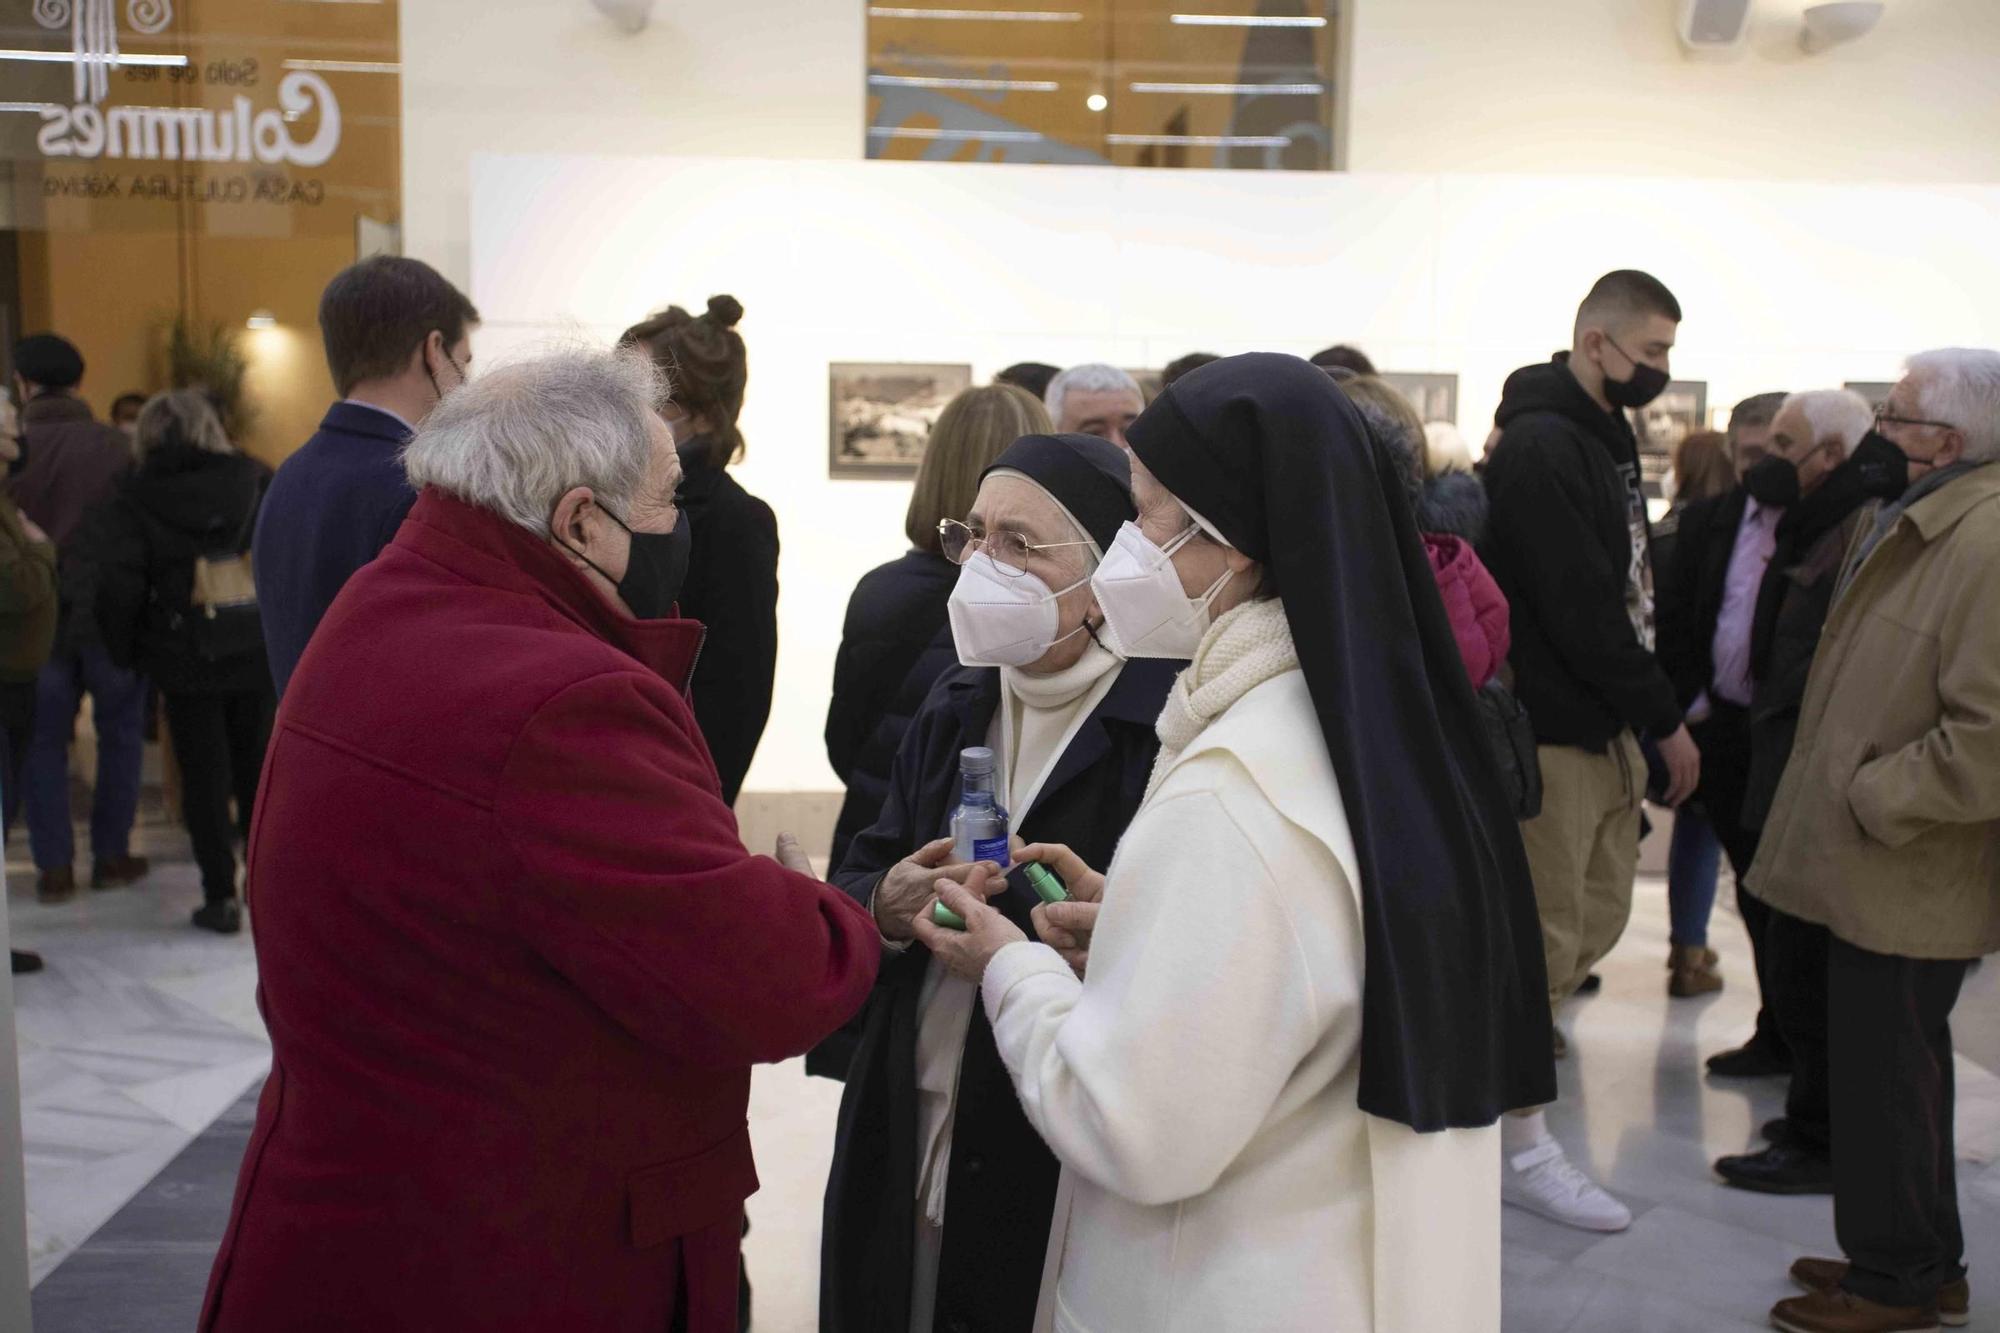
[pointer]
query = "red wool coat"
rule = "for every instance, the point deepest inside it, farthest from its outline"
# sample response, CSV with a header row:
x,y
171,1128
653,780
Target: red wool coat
x,y
1477,607
515,962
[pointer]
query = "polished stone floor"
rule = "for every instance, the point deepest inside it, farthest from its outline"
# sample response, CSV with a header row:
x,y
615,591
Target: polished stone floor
x,y
143,1032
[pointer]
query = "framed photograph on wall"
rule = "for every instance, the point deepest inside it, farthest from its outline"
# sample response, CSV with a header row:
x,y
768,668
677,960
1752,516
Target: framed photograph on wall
x,y
881,414
1661,425
1875,391
1435,396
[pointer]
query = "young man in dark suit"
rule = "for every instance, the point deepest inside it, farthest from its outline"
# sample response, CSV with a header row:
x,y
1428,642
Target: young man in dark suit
x,y
398,338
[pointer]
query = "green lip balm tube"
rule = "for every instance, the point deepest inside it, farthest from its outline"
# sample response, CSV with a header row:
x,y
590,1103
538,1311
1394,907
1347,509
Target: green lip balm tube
x,y
947,918
1045,883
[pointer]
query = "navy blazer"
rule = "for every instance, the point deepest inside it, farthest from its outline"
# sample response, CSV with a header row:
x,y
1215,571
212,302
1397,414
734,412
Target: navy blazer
x,y
332,508
1003,1177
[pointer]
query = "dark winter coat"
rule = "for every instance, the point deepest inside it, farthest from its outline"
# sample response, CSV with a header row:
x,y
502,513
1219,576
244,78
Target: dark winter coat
x,y
131,572
1002,1176
1563,482
333,507
732,589
1691,579
1792,606
70,463
1454,504
894,645
27,599
515,962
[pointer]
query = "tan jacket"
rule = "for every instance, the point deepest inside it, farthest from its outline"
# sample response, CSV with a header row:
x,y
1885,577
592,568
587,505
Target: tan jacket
x,y
1886,825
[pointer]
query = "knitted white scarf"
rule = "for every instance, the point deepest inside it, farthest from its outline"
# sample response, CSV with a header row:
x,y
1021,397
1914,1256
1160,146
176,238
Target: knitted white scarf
x,y
1247,646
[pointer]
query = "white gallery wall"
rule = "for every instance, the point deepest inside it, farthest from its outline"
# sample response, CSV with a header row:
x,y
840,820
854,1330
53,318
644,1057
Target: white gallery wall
x,y
1542,86
1785,285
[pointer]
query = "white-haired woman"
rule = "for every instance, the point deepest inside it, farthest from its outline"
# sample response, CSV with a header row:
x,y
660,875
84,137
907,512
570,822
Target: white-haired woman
x,y
162,569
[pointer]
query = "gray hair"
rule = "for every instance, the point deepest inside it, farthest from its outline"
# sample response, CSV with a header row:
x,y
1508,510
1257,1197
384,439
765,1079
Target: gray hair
x,y
1961,387
519,438
1840,414
1090,377
179,417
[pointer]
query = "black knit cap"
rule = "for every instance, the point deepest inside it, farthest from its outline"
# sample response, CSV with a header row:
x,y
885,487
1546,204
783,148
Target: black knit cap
x,y
48,360
1092,478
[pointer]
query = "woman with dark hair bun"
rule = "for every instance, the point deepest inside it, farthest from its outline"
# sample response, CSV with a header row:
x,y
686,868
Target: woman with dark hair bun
x,y
732,580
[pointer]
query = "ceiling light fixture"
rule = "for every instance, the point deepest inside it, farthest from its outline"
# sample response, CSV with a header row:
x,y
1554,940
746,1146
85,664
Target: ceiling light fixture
x,y
971,136
1097,101
345,66
93,58
1274,89
974,85
1202,140
260,320
978,15
1245,21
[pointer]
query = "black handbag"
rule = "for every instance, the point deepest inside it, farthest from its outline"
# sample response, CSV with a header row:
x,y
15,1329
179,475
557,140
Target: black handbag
x,y
1512,737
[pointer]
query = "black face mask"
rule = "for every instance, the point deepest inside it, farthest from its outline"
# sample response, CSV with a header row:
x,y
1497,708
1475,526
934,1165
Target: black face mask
x,y
1646,384
1884,469
655,569
1773,482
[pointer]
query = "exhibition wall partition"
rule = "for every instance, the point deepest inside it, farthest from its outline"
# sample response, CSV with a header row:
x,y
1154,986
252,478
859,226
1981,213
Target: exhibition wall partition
x,y
853,269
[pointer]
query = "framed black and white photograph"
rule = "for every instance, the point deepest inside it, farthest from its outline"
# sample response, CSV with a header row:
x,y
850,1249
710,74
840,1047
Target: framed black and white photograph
x,y
1661,425
882,412
1435,396
1875,391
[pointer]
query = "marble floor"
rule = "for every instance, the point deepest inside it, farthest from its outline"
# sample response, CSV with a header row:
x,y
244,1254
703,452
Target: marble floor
x,y
142,1032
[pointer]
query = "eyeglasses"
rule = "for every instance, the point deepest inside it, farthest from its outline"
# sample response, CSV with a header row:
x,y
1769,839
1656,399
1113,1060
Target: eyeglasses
x,y
1009,550
1883,417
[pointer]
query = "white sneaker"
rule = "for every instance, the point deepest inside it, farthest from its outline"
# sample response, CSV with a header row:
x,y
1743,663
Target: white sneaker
x,y
1543,1180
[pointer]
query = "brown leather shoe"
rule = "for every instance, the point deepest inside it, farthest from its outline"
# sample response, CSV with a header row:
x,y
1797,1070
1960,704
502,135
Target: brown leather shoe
x,y
118,871
1954,1298
1841,1311
56,886
1692,972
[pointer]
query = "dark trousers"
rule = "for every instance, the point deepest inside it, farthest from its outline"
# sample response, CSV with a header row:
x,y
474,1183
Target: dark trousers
x,y
1895,1183
17,735
1795,995
1724,740
219,744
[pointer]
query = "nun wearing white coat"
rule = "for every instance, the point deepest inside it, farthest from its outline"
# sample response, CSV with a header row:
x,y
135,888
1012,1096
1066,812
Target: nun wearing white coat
x,y
1311,980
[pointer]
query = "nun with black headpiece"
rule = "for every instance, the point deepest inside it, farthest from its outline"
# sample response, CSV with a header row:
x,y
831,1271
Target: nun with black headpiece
x,y
939,1201
1315,979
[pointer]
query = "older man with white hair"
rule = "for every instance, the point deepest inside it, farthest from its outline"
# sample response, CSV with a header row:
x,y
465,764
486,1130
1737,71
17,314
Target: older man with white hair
x,y
1886,832
1095,399
514,960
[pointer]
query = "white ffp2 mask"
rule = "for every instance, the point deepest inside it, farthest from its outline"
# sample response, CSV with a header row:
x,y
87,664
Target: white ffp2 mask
x,y
1145,612
1002,618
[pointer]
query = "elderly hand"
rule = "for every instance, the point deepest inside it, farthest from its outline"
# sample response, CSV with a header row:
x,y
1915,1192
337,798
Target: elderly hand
x,y
967,952
1066,927
910,887
34,534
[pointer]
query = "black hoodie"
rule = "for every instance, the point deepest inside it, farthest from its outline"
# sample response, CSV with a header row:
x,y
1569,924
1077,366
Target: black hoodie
x,y
133,571
1566,505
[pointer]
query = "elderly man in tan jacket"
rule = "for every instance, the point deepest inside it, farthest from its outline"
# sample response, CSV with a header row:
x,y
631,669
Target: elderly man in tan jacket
x,y
1886,832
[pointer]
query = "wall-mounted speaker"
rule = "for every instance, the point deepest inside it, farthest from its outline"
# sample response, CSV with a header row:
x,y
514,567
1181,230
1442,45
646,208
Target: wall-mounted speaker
x,y
1714,25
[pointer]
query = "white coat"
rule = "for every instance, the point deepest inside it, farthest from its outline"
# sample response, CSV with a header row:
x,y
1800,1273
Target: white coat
x,y
1200,1087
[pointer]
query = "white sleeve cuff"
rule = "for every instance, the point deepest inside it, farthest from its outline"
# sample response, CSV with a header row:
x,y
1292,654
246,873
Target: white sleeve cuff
x,y
1015,964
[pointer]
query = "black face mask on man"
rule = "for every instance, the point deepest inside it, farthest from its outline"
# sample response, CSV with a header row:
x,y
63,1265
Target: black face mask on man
x,y
1645,384
1884,469
654,571
1773,481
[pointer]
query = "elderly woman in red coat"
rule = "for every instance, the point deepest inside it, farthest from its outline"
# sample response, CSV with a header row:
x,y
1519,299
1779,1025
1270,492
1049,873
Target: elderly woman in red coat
x,y
515,961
